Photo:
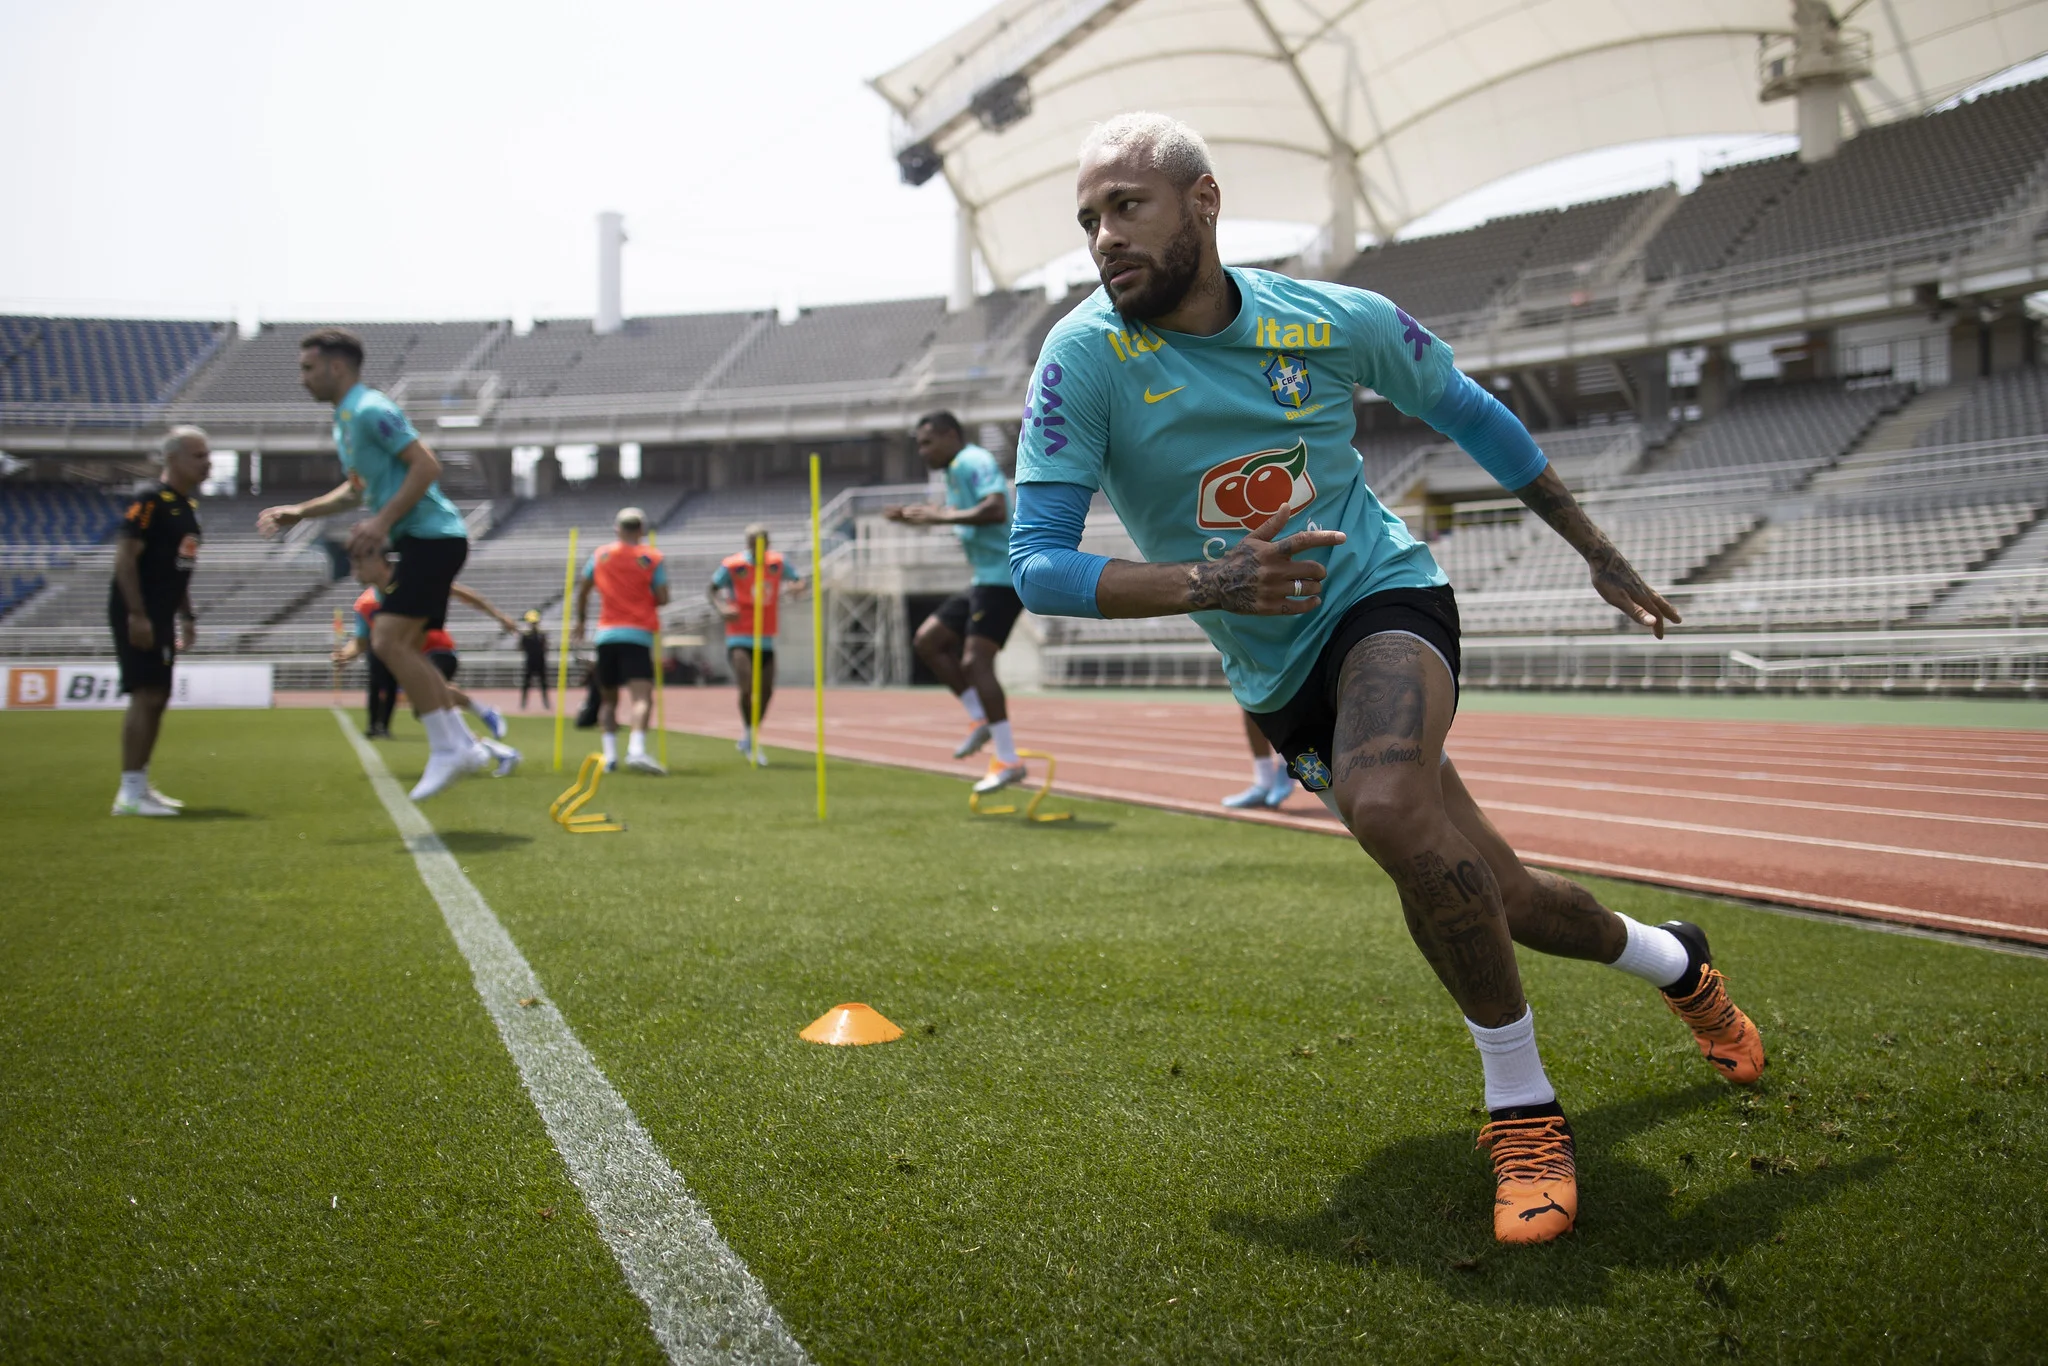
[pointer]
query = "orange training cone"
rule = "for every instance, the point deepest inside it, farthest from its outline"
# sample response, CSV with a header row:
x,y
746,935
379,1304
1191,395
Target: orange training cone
x,y
851,1023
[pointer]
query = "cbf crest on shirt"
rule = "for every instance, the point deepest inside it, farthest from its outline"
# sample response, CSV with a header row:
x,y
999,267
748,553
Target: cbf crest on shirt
x,y
1197,440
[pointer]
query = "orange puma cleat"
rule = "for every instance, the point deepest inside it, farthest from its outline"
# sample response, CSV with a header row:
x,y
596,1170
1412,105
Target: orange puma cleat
x,y
1536,1187
1725,1035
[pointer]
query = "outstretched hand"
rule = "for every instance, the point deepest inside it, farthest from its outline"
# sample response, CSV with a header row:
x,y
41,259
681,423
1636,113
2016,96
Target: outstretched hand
x,y
1616,580
1259,576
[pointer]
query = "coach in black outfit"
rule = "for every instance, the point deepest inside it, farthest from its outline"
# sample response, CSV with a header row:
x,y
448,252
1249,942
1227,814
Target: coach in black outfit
x,y
159,544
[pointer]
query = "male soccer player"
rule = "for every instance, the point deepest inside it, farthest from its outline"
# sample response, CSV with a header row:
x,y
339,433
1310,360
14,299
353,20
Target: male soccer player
x,y
533,646
732,595
1271,785
1213,407
392,472
159,544
632,586
960,640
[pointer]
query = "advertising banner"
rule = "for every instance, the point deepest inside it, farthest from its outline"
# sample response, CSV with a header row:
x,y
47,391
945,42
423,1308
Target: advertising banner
x,y
86,687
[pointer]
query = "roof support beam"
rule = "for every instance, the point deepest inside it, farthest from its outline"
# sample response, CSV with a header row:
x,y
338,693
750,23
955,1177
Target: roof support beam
x,y
1339,145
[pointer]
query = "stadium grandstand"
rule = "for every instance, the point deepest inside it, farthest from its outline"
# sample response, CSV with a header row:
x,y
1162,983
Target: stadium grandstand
x,y
1807,394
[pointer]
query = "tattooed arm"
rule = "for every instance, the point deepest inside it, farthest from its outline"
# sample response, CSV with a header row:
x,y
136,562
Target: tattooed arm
x,y
1614,578
1257,576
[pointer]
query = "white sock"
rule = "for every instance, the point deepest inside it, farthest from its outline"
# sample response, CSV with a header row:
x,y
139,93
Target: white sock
x,y
1266,771
134,784
971,700
1006,748
636,744
611,746
445,732
1657,956
1514,1072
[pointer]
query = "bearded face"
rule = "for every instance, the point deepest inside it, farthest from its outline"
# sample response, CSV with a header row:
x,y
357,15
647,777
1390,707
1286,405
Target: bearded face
x,y
1163,280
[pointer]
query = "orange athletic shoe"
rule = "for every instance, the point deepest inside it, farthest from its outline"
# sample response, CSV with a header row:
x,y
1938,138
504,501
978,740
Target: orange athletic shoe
x,y
1725,1035
1536,1186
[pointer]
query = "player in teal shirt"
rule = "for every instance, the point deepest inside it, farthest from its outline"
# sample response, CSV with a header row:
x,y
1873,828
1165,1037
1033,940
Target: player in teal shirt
x,y
391,472
1214,408
959,641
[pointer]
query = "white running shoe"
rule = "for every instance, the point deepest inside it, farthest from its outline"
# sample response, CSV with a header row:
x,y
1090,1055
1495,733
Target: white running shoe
x,y
1254,795
494,719
1279,792
744,746
645,763
761,757
443,769
145,805
507,757
998,777
161,800
976,738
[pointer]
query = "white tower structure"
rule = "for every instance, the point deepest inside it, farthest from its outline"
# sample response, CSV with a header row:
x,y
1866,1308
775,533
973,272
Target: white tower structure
x,y
611,240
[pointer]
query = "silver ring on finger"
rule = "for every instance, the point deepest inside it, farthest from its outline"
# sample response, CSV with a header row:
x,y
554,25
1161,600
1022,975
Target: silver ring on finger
x,y
1297,588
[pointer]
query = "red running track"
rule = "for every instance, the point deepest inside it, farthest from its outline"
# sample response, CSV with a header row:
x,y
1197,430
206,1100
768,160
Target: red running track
x,y
1943,828
1946,829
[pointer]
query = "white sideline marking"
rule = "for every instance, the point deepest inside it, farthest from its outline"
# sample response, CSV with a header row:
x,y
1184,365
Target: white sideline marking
x,y
702,1302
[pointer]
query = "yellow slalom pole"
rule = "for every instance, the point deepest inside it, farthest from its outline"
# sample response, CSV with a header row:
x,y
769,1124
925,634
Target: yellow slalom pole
x,y
562,664
754,697
817,637
660,687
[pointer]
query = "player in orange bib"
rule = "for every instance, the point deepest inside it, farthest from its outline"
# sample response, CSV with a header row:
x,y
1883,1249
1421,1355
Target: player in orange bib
x,y
732,593
439,648
632,586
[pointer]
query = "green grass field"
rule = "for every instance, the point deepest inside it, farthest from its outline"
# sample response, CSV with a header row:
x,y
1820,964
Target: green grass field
x,y
1173,1089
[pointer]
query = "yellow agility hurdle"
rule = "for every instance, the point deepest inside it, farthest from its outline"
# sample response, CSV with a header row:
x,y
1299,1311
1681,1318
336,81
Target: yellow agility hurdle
x,y
567,809
1031,807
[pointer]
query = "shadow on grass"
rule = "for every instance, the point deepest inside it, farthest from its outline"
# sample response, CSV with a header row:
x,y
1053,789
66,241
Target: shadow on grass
x,y
1426,1204
481,841
214,813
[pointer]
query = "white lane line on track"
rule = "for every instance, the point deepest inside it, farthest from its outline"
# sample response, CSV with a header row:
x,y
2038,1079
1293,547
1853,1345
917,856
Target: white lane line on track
x,y
1594,753
702,1302
1777,837
1467,751
1480,775
1763,893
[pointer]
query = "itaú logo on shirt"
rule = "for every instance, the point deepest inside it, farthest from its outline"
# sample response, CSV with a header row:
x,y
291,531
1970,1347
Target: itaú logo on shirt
x,y
1245,490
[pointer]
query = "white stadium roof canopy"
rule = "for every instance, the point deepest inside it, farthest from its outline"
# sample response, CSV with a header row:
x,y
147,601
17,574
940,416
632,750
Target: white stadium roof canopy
x,y
1400,105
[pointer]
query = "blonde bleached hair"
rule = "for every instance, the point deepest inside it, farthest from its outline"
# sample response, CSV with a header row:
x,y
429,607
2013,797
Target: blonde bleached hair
x,y
1171,148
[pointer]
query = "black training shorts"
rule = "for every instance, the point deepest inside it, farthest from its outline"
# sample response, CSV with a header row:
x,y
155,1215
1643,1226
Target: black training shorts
x,y
149,668
447,661
987,610
621,661
1304,730
422,572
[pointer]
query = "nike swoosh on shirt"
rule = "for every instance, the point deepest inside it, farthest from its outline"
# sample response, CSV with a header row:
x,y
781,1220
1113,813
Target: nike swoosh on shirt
x,y
1151,397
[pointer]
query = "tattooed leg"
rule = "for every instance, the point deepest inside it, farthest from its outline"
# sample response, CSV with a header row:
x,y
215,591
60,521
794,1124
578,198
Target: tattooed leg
x,y
1393,710
1545,912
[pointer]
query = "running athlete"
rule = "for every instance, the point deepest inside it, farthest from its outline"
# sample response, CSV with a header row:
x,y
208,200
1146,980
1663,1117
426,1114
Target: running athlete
x,y
632,584
533,646
1271,784
392,473
1213,407
731,593
159,544
960,640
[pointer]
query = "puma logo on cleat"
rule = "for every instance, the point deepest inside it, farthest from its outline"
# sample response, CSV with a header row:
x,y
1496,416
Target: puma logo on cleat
x,y
1529,1214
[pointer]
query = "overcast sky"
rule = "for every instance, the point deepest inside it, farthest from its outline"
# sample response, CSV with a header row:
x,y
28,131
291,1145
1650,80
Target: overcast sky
x,y
230,158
